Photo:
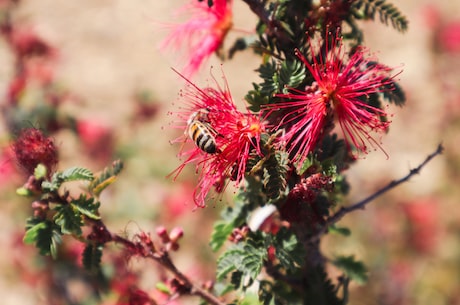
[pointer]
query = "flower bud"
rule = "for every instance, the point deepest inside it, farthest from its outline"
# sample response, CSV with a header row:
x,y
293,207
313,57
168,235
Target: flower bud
x,y
176,234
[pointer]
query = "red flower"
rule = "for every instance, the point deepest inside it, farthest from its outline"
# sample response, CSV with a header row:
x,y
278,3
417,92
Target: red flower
x,y
203,34
234,135
339,91
31,148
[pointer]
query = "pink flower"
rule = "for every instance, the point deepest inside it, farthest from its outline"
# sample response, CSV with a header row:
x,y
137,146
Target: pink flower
x,y
235,135
203,34
339,91
97,139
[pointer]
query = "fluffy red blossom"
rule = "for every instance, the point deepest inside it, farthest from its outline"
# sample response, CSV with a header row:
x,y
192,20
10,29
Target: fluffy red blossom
x,y
203,34
235,134
339,91
31,148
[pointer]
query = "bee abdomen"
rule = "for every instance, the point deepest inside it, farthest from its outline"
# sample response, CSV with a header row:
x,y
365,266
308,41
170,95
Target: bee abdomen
x,y
202,137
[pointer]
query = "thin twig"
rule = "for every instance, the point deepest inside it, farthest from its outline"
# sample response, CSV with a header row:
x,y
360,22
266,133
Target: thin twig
x,y
196,290
161,256
362,204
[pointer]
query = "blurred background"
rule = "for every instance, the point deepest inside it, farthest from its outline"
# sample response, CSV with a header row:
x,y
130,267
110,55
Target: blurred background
x,y
113,88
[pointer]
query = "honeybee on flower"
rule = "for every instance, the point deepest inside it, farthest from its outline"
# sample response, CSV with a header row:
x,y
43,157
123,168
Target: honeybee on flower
x,y
223,138
201,132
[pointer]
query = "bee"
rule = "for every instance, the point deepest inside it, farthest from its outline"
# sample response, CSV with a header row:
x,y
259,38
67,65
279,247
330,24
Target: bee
x,y
200,131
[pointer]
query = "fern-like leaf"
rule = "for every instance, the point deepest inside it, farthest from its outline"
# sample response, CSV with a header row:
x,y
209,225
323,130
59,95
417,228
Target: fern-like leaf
x,y
87,207
92,256
353,269
69,219
219,235
274,178
106,178
45,235
77,173
292,74
387,13
229,261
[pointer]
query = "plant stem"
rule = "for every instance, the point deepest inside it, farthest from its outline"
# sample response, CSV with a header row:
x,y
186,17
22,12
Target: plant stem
x,y
362,204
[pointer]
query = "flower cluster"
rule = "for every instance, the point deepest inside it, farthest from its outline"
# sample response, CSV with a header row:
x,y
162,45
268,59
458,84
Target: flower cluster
x,y
235,135
203,34
340,91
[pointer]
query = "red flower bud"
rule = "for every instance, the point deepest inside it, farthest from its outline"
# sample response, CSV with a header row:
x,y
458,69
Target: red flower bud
x,y
176,234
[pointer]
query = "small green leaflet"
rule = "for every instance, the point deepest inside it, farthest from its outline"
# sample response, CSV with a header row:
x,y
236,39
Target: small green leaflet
x,y
92,256
220,234
246,258
70,217
352,268
44,234
105,178
77,173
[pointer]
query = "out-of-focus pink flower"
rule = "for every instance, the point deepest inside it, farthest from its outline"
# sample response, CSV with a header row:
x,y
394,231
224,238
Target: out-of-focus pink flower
x,y
446,33
202,35
236,135
176,201
448,37
97,139
26,43
423,224
7,168
340,91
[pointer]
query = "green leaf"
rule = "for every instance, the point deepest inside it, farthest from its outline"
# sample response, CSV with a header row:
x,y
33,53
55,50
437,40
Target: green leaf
x,y
387,12
87,207
106,178
220,234
355,270
289,250
237,214
229,261
22,191
77,173
292,74
92,256
252,261
51,186
33,232
69,219
274,177
44,234
256,98
268,72
393,93
339,230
